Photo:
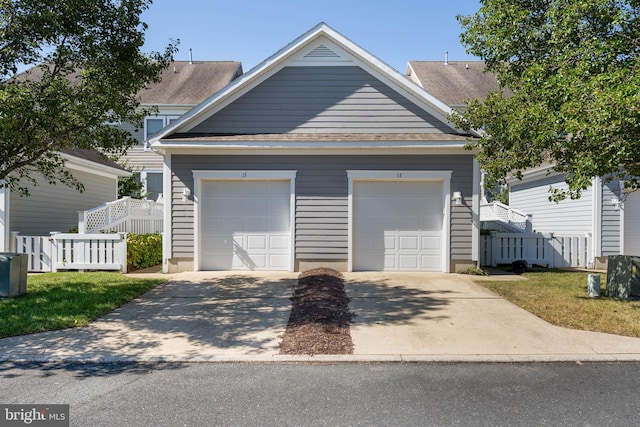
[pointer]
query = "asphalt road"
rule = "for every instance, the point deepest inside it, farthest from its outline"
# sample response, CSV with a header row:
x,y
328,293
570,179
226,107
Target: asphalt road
x,y
331,395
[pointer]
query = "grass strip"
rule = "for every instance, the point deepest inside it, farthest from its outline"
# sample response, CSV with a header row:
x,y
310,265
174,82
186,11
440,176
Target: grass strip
x,y
64,300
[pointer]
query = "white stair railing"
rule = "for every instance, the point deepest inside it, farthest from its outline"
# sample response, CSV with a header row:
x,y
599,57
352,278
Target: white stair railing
x,y
497,211
123,215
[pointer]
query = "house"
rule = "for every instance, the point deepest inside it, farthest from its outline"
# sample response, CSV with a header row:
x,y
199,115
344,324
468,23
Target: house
x,y
605,212
322,155
52,208
183,85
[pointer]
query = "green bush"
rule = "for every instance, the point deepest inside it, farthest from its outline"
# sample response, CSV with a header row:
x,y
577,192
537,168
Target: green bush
x,y
143,250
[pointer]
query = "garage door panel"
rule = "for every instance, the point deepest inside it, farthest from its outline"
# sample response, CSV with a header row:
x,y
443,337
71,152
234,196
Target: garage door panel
x,y
256,242
279,242
397,225
408,243
245,225
408,262
431,242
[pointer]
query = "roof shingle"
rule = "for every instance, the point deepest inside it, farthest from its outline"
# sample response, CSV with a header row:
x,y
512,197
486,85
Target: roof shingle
x,y
185,83
454,83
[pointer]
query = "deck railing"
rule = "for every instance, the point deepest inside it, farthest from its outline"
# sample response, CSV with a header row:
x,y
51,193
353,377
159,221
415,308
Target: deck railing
x,y
497,211
123,215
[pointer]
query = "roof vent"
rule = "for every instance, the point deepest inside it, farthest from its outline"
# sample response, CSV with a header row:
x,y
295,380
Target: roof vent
x,y
322,52
190,56
446,57
466,66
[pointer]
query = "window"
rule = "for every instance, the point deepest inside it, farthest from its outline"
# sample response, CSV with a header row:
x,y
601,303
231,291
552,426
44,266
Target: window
x,y
152,126
151,184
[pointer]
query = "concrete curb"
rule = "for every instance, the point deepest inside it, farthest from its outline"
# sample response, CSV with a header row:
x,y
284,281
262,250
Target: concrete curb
x,y
337,359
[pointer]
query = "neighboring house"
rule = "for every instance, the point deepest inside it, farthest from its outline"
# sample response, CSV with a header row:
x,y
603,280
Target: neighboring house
x,y
183,85
322,155
605,211
51,208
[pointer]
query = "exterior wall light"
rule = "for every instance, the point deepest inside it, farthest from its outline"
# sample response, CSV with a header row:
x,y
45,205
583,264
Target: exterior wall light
x,y
185,194
457,197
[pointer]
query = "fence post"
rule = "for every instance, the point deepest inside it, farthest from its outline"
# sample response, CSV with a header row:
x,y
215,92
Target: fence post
x,y
528,228
494,249
54,251
123,250
82,225
13,242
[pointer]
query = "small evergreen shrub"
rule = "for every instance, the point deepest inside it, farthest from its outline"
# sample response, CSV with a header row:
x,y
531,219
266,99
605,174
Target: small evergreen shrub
x,y
475,271
143,250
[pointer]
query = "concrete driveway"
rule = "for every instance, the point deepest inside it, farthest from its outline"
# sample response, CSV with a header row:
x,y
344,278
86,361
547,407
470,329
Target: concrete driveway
x,y
222,316
442,315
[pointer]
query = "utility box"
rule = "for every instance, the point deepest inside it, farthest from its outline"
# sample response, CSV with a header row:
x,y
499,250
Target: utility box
x,y
623,276
13,274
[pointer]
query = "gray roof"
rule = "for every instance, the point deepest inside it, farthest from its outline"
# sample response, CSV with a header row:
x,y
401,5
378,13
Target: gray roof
x,y
453,83
92,156
185,83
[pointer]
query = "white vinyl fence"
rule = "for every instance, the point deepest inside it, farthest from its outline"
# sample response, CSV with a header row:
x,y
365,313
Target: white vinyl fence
x,y
67,251
555,251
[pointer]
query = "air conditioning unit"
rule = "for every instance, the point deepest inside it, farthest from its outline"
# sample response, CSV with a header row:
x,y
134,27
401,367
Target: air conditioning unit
x,y
623,276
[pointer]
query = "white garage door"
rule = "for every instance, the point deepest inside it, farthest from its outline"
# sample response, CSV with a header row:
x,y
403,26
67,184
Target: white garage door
x,y
632,224
245,225
397,225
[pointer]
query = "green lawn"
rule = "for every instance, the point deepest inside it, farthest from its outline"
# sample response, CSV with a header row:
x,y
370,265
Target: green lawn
x,y
64,300
560,297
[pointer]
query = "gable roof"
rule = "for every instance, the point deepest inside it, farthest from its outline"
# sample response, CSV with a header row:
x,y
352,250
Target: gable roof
x,y
94,160
454,82
190,83
321,45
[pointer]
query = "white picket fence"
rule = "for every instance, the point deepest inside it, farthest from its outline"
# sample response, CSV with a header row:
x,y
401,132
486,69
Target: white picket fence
x,y
123,215
67,251
555,251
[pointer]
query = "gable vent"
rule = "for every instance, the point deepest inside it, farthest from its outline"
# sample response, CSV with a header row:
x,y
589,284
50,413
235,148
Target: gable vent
x,y
322,52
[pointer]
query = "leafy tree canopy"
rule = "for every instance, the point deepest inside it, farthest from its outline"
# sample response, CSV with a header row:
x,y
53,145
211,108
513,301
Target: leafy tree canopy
x,y
88,70
570,75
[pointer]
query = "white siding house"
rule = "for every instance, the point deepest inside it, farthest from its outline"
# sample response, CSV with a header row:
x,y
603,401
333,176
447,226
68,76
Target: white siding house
x,y
52,208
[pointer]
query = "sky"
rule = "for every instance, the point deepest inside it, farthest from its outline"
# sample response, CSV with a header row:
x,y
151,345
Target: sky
x,y
249,31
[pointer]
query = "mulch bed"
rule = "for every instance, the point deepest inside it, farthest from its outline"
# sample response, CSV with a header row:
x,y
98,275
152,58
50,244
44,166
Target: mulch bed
x,y
320,317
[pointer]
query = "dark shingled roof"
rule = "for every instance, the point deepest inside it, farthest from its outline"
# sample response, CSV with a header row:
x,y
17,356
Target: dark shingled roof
x,y
456,82
190,84
91,155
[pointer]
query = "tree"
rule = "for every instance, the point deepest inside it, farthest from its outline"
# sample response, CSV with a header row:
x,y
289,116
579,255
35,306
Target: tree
x,y
570,78
89,70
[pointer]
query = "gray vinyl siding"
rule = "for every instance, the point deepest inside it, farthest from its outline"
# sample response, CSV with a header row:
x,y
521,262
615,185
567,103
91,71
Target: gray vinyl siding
x,y
321,227
321,196
610,219
136,132
567,217
321,100
55,207
136,156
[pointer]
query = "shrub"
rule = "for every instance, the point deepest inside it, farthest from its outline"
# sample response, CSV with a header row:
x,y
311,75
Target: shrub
x,y
143,250
475,271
